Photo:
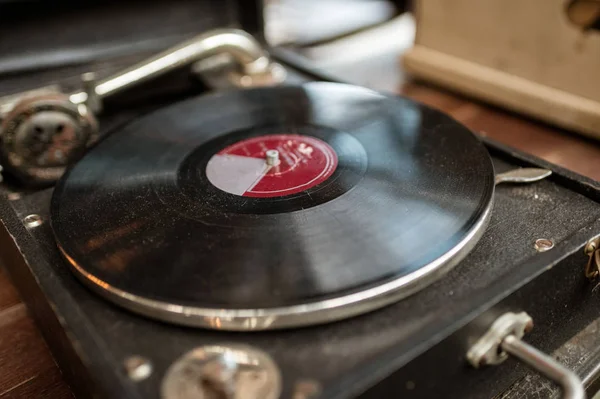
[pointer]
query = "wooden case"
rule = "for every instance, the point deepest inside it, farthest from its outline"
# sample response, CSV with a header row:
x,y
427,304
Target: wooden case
x,y
526,56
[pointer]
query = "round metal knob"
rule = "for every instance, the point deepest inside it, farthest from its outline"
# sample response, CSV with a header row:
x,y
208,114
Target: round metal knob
x,y
222,372
44,134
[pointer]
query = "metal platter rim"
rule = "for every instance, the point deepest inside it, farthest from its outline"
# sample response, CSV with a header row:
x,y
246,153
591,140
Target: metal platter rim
x,y
311,313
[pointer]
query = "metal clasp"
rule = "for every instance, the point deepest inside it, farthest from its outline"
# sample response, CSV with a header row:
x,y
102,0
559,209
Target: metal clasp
x,y
592,250
522,175
504,338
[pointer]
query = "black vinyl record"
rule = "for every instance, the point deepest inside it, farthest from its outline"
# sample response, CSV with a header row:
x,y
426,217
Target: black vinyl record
x,y
182,216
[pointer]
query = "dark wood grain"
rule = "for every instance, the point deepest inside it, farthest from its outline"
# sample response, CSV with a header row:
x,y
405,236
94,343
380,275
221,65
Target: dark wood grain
x,y
46,386
8,295
27,369
558,146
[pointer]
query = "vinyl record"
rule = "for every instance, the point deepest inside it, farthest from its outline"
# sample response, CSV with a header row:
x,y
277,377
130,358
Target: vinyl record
x,y
274,207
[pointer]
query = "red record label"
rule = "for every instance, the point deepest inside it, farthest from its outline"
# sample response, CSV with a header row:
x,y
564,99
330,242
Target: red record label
x,y
272,166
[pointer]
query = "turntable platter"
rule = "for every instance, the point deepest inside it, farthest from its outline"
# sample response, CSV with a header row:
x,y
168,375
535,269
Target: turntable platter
x,y
274,207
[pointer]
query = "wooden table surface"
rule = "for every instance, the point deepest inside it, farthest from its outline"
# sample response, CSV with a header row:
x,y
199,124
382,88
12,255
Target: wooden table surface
x,y
27,369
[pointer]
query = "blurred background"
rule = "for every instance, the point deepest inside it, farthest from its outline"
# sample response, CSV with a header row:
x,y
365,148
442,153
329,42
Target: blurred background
x,y
359,41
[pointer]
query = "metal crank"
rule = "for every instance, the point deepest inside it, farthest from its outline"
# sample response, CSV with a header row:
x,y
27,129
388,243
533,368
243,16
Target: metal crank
x,y
504,338
44,131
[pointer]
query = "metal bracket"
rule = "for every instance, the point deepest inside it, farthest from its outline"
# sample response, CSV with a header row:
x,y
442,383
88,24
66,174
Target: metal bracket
x,y
487,350
504,338
592,249
522,175
222,72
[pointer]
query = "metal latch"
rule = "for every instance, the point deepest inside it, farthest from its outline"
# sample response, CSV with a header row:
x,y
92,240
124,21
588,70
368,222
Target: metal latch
x,y
504,338
592,249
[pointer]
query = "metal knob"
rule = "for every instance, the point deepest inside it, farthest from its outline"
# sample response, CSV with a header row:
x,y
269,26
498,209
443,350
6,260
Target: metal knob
x,y
222,372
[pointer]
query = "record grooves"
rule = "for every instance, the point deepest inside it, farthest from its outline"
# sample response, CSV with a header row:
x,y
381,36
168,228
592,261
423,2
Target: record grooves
x,y
176,215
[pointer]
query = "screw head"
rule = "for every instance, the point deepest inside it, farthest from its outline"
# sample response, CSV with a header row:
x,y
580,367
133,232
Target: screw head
x,y
543,244
138,368
306,389
13,196
33,220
